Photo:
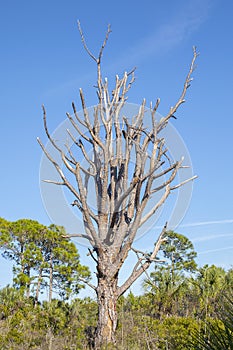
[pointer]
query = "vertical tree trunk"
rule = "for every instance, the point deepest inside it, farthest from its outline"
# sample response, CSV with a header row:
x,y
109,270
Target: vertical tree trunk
x,y
28,282
38,286
107,313
50,277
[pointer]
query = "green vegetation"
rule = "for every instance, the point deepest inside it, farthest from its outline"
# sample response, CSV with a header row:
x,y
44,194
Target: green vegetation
x,y
66,325
183,306
42,257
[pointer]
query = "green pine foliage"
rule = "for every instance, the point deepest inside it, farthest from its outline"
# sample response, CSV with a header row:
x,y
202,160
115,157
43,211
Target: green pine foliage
x,y
183,307
42,257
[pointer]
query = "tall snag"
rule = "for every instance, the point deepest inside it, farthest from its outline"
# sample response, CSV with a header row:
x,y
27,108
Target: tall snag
x,y
124,162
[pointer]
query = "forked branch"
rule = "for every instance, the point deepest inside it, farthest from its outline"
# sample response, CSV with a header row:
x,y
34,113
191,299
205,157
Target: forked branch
x,y
181,100
140,267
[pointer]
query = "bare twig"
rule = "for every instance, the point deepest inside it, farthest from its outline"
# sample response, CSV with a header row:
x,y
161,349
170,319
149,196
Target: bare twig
x,y
138,271
181,100
84,42
87,283
80,235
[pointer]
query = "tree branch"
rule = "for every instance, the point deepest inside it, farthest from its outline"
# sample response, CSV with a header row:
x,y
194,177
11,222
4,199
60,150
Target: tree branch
x,y
81,235
137,272
84,42
157,206
181,100
87,283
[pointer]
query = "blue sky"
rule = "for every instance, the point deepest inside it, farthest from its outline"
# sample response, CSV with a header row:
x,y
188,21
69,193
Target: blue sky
x,y
43,62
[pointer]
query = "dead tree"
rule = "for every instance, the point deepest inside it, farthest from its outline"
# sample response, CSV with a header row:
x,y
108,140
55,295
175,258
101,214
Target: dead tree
x,y
122,190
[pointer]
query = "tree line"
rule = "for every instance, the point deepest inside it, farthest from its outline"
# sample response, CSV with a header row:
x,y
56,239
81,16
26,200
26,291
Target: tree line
x,y
183,306
43,257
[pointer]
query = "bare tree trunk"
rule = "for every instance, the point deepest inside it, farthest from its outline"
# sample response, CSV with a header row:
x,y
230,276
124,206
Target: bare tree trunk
x,y
38,286
50,277
28,283
107,314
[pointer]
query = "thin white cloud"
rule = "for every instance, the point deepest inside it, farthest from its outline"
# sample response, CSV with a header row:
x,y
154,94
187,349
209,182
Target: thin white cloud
x,y
178,27
215,250
213,222
183,23
202,223
211,237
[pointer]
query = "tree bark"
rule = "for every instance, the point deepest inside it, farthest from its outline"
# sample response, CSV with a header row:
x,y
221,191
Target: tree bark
x,y
107,298
28,283
50,277
38,286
